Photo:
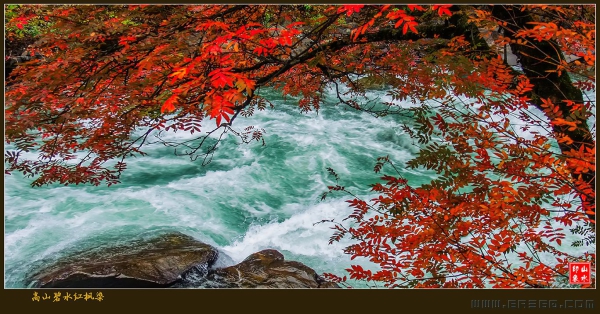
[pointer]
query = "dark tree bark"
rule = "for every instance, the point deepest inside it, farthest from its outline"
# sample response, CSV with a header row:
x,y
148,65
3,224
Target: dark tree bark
x,y
549,85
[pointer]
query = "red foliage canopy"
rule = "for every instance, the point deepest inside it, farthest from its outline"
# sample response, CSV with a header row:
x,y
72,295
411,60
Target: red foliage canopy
x,y
109,70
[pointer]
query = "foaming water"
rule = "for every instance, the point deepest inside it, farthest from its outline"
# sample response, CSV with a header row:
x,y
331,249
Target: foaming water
x,y
250,197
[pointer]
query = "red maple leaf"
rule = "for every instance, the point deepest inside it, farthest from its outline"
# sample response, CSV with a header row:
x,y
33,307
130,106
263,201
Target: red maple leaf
x,y
168,106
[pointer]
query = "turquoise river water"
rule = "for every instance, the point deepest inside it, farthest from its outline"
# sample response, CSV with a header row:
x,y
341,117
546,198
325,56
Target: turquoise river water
x,y
250,197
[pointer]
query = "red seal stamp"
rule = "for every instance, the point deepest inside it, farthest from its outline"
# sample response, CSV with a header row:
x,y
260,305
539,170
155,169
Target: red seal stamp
x,y
580,273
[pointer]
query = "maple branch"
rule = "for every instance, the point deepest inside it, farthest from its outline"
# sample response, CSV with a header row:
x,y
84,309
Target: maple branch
x,y
239,108
233,9
382,35
558,88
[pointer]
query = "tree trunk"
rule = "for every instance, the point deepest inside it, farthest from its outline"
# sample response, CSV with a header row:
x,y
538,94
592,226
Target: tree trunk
x,y
550,85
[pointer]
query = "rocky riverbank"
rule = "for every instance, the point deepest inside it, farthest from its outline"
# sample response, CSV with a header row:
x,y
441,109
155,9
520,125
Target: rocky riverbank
x,y
173,260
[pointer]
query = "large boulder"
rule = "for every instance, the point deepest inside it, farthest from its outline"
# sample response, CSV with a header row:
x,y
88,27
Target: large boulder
x,y
266,269
157,262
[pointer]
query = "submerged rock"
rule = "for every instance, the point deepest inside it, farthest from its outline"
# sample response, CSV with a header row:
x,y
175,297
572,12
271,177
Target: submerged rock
x,y
266,269
158,262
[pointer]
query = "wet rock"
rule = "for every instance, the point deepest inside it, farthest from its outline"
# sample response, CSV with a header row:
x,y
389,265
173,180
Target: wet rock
x,y
157,262
266,269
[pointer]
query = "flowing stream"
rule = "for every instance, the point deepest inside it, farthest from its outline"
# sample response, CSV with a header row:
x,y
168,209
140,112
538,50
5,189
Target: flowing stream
x,y
250,197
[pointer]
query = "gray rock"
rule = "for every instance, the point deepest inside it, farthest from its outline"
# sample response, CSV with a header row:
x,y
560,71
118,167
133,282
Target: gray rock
x,y
174,260
266,269
158,262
